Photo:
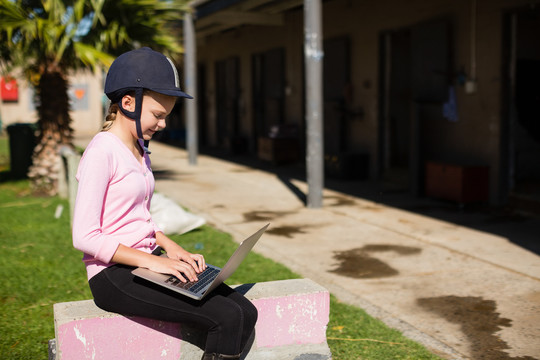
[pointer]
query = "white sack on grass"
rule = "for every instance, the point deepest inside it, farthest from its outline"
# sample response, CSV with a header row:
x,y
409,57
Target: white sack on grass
x,y
171,218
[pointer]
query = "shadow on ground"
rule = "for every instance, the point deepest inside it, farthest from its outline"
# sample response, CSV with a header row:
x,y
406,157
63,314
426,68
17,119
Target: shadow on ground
x,y
507,221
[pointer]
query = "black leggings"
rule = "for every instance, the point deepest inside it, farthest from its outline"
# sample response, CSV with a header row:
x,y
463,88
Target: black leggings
x,y
226,315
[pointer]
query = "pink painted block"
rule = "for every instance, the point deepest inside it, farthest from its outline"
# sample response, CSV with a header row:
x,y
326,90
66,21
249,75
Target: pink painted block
x,y
119,338
295,319
291,312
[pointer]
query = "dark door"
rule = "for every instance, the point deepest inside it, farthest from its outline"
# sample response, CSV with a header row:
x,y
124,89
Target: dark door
x,y
202,105
268,91
415,75
521,128
336,80
227,92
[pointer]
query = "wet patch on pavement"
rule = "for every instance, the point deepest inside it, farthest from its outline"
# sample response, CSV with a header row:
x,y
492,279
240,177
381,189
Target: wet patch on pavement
x,y
340,201
479,322
374,208
241,170
163,174
359,263
254,216
286,230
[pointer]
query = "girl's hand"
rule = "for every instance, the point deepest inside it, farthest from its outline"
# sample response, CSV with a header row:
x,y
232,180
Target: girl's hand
x,y
161,264
195,260
175,251
181,269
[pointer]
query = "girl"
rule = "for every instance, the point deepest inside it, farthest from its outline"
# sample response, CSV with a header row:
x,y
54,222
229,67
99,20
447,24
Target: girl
x,y
112,224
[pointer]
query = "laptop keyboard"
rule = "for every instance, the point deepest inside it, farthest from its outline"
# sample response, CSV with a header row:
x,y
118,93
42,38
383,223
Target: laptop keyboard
x,y
206,277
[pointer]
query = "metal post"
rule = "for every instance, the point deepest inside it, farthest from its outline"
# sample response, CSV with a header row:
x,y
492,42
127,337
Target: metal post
x,y
313,56
191,88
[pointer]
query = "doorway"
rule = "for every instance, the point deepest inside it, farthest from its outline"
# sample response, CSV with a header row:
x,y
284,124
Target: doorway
x,y
202,105
415,74
227,96
336,80
521,130
268,91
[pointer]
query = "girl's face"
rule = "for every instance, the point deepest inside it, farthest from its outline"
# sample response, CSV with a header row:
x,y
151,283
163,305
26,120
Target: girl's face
x,y
155,108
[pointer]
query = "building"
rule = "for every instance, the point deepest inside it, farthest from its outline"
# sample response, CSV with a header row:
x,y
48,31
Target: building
x,y
436,97
85,91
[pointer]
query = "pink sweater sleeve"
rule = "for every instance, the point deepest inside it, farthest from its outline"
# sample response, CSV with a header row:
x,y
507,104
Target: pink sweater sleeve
x,y
94,173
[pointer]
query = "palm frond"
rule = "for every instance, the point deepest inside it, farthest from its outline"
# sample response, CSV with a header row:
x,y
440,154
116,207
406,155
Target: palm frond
x,y
92,57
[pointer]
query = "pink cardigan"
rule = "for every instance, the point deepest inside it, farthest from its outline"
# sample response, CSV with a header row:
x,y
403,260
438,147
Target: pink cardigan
x,y
113,202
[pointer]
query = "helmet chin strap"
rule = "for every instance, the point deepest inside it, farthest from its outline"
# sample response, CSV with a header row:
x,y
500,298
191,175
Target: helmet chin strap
x,y
136,115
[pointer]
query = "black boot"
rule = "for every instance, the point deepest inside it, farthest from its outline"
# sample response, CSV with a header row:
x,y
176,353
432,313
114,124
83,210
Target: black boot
x,y
214,356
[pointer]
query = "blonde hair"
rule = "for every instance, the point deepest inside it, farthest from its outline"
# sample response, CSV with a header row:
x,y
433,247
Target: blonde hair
x,y
111,116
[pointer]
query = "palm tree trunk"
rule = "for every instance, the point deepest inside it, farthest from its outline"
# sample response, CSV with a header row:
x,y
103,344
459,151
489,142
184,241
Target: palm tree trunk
x,y
54,123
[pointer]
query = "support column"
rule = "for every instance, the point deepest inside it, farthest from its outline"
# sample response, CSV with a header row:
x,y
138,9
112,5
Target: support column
x,y
313,56
190,76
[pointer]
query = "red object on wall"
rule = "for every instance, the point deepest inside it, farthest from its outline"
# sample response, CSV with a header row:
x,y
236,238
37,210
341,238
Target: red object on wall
x,y
9,91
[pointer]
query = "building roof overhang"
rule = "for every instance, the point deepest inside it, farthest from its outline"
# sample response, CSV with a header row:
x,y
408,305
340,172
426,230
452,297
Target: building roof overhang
x,y
215,16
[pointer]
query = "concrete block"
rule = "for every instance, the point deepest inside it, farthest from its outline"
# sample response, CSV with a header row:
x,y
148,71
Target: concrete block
x,y
293,315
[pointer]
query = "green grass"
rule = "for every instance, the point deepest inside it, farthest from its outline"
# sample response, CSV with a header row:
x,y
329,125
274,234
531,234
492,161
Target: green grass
x,y
40,267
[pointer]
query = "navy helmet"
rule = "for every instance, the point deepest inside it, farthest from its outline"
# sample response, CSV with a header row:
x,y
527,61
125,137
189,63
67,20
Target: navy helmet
x,y
141,69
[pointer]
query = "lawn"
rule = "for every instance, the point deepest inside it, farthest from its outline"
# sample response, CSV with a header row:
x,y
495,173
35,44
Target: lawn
x,y
39,267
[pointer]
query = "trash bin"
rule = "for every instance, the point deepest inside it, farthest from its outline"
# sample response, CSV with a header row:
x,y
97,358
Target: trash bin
x,y
22,141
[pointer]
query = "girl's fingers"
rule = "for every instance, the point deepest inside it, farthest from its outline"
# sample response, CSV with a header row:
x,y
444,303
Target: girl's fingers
x,y
188,270
200,263
178,275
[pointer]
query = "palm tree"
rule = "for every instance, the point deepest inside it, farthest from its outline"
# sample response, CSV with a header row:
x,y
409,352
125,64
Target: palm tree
x,y
45,40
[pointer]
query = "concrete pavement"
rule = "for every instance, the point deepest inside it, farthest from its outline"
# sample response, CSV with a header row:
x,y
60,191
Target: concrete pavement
x,y
463,292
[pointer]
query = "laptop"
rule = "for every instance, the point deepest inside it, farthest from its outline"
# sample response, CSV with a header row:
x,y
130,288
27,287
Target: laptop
x,y
210,278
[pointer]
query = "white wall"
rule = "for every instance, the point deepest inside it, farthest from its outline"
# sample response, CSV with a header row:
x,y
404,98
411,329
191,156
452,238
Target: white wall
x,y
86,121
